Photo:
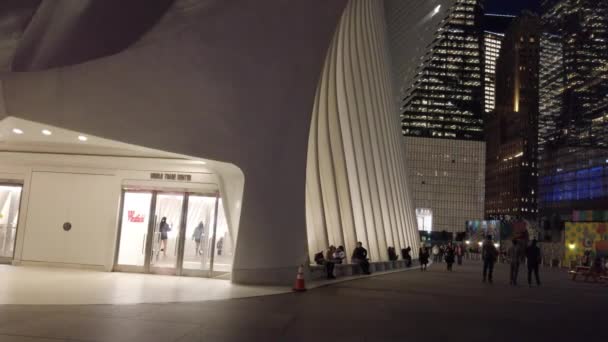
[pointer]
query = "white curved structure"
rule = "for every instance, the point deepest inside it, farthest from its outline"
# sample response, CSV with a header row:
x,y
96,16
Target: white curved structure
x,y
232,85
356,188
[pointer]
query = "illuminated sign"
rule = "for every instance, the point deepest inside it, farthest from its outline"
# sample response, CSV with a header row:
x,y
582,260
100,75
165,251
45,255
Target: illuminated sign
x,y
135,218
171,176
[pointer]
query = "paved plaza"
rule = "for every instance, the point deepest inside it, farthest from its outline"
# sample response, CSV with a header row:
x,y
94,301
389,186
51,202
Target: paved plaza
x,y
404,306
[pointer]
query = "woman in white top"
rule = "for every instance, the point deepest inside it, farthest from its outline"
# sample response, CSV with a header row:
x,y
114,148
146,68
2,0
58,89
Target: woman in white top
x,y
339,255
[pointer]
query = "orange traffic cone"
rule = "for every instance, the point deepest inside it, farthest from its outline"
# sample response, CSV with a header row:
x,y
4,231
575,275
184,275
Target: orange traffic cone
x,y
299,286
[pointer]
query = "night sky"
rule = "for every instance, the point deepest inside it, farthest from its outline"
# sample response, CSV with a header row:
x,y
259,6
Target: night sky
x,y
511,6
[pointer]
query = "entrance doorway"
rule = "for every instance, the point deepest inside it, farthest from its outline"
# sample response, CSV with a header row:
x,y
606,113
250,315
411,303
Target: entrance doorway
x,y
173,233
10,199
424,218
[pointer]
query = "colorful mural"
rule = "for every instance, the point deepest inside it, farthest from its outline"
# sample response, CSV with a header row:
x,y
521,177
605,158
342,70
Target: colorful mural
x,y
478,230
586,236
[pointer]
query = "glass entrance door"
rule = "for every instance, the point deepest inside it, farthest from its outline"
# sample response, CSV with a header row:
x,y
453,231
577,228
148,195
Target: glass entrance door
x,y
173,234
134,227
167,233
10,199
200,227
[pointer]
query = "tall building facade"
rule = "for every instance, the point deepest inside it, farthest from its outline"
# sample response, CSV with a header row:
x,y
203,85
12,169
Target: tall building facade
x,y
494,28
574,109
512,131
492,44
442,106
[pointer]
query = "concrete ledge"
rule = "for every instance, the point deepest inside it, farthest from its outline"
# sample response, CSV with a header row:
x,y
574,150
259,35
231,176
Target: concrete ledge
x,y
320,282
286,276
317,272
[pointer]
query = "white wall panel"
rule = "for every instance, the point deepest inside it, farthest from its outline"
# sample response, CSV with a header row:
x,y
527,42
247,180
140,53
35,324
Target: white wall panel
x,y
360,160
88,202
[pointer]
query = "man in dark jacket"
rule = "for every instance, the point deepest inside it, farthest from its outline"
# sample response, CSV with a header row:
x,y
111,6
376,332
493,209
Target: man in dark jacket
x,y
360,257
489,255
533,256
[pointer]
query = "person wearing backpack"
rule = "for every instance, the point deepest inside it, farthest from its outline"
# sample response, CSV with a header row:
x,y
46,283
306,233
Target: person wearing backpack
x,y
489,255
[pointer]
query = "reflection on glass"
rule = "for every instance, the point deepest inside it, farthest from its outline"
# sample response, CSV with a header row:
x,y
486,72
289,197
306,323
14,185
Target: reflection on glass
x,y
167,217
134,228
10,197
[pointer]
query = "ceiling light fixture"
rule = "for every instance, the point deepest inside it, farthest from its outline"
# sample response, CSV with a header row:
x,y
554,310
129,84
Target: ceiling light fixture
x,y
46,132
82,138
17,131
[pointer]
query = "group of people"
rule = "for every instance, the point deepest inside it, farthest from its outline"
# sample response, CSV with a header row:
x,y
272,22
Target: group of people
x,y
597,267
516,255
337,255
450,253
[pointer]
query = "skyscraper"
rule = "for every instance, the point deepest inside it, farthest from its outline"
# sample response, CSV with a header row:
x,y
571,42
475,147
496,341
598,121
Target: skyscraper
x,y
443,101
494,28
573,109
442,106
581,28
512,133
551,88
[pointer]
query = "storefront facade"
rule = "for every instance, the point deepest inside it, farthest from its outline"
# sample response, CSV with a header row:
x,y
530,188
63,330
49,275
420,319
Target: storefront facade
x,y
104,213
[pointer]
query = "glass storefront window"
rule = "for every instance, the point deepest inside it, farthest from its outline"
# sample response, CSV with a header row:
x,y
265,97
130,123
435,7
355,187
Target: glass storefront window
x,y
10,198
224,247
134,228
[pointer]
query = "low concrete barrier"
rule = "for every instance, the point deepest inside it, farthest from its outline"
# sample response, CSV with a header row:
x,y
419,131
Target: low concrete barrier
x,y
317,272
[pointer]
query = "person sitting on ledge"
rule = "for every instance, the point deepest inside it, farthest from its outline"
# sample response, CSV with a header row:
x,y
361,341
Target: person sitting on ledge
x,y
339,255
360,257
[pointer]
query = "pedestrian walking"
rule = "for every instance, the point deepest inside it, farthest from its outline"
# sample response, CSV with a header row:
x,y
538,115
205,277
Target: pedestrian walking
x,y
423,255
407,256
533,258
489,255
459,253
515,259
449,256
435,253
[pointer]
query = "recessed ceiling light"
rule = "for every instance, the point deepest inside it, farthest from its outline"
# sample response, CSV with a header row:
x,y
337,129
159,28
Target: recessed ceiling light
x,y
46,132
82,138
17,131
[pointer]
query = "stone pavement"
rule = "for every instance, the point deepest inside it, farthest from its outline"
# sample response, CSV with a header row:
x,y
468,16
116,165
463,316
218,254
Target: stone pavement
x,y
405,306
